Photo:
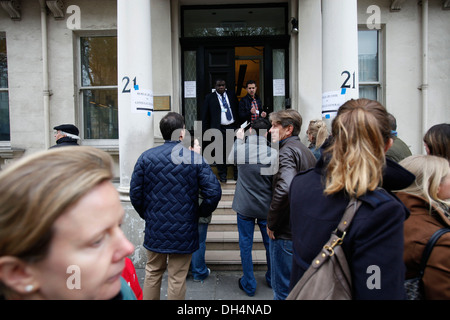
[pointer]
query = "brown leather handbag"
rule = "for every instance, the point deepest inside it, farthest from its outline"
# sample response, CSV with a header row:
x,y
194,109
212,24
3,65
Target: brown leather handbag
x,y
328,277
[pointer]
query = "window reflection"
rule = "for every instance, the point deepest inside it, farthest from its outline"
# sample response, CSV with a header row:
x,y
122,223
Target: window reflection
x,y
99,87
4,95
368,55
369,64
98,61
100,114
220,22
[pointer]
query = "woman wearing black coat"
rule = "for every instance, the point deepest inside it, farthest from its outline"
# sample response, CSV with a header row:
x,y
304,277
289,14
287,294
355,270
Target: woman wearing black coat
x,y
354,165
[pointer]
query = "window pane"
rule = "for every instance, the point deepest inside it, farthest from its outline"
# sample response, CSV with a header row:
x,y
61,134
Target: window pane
x,y
3,64
98,61
100,114
368,55
279,99
4,117
216,22
368,92
4,96
190,74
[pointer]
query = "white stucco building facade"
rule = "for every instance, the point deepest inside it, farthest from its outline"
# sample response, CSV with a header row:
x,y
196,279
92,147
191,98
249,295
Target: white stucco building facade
x,y
78,61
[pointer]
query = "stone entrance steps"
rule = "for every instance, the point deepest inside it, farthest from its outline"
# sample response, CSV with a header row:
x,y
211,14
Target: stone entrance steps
x,y
222,241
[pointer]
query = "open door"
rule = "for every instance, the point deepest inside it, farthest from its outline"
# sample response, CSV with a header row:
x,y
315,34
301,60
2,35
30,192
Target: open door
x,y
236,64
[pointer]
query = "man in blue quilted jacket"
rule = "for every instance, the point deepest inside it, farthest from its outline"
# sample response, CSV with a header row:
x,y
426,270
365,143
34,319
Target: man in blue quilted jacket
x,y
164,190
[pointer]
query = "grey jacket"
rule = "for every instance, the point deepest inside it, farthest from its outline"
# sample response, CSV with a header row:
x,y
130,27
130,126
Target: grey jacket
x,y
256,163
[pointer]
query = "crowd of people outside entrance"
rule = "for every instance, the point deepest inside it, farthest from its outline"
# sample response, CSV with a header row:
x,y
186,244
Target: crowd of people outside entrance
x,y
60,214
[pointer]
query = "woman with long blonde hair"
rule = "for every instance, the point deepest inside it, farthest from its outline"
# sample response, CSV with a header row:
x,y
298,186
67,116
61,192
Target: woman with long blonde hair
x,y
353,166
428,199
317,135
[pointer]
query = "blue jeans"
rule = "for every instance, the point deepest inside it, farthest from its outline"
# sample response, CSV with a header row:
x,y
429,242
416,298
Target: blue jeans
x,y
198,264
281,257
246,228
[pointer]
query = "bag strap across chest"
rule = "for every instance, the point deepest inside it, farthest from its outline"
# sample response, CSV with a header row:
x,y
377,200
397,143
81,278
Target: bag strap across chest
x,y
337,236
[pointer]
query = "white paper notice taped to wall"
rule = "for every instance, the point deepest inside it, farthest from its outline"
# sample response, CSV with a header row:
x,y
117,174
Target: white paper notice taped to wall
x,y
331,101
190,89
278,88
142,101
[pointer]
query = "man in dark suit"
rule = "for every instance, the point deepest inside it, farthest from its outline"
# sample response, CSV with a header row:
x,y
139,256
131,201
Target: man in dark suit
x,y
220,111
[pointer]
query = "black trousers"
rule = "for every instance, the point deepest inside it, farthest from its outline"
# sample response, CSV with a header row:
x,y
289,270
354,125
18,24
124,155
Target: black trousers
x,y
222,167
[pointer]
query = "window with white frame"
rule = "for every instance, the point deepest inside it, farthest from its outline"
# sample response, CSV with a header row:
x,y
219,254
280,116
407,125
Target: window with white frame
x,y
98,87
370,85
4,95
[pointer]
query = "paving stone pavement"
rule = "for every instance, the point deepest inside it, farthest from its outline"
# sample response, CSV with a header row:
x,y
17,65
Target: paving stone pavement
x,y
220,285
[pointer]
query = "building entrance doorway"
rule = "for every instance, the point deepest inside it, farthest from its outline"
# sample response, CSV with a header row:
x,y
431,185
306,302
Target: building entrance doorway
x,y
236,66
253,47
249,66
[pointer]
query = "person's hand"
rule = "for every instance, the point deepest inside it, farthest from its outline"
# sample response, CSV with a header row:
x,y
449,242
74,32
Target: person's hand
x,y
263,114
240,134
270,233
253,110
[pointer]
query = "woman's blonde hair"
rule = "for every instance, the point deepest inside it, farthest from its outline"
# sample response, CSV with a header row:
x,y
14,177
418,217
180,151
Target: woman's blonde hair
x,y
429,171
37,189
360,132
319,132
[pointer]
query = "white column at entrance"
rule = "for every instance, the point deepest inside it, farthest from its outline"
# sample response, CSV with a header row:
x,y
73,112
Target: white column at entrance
x,y
340,52
134,73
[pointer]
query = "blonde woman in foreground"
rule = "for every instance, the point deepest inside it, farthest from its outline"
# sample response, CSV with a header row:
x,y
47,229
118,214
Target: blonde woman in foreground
x,y
60,219
353,166
428,199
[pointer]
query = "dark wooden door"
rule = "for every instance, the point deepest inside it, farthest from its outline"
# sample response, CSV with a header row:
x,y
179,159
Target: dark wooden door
x,y
218,64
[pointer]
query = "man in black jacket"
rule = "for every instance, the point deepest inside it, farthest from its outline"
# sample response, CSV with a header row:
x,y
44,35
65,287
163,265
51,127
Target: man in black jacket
x,y
250,106
66,135
294,157
220,111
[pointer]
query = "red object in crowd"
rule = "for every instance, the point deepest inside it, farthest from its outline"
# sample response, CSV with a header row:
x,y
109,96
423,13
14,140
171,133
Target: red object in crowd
x,y
129,274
